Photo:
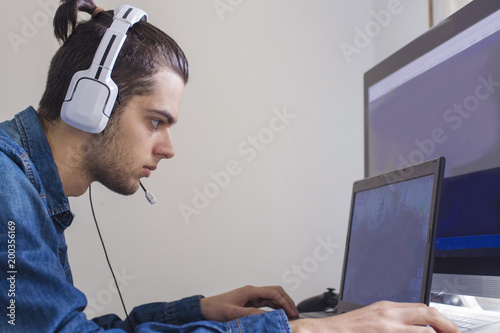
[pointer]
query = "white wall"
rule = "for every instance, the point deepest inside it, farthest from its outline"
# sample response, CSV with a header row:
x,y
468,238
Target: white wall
x,y
411,22
443,9
246,63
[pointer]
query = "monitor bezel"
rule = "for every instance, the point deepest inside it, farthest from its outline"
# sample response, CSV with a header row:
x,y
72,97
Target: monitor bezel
x,y
463,19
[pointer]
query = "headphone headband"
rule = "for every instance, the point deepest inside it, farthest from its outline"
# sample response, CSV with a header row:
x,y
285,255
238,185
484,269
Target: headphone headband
x,y
92,93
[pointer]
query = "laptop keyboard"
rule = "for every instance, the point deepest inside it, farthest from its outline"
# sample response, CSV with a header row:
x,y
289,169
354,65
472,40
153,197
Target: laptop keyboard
x,y
468,319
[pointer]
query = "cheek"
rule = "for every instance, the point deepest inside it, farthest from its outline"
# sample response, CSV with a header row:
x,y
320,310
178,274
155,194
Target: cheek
x,y
141,146
134,144
137,140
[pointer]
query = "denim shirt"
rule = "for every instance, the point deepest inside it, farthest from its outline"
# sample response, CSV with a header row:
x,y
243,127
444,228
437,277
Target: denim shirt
x,y
36,286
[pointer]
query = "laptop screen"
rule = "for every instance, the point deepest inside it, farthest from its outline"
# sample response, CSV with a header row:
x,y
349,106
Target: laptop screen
x,y
387,243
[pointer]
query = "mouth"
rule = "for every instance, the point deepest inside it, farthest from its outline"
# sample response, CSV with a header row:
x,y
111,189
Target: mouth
x,y
148,169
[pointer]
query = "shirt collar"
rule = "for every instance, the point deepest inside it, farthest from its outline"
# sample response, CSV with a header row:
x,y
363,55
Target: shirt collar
x,y
33,140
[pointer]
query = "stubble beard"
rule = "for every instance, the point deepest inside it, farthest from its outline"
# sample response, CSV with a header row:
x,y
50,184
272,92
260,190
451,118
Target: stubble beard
x,y
109,163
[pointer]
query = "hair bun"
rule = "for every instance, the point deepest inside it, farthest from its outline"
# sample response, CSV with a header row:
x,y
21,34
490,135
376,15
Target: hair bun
x,y
66,16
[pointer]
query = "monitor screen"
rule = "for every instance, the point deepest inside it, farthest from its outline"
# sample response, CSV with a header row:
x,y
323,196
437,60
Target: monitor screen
x,y
440,96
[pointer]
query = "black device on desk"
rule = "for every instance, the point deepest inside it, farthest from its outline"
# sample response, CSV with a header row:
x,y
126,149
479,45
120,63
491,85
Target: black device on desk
x,y
324,302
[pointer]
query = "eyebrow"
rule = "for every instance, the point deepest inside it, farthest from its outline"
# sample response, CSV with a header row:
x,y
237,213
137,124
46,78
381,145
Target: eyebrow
x,y
164,114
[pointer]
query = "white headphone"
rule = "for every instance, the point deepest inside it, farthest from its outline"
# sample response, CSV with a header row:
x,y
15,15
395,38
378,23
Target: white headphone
x,y
92,93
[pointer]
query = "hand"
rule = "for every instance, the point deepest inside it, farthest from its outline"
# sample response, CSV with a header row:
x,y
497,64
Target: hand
x,y
381,317
246,301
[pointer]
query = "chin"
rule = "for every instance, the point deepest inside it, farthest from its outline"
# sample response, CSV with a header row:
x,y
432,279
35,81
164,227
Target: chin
x,y
122,187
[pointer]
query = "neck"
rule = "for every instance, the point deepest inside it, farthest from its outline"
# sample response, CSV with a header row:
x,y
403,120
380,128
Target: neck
x,y
68,147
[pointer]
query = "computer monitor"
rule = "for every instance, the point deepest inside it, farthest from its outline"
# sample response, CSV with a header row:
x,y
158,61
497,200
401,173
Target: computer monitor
x,y
440,96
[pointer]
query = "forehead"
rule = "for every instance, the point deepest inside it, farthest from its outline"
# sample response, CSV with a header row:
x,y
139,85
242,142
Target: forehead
x,y
165,95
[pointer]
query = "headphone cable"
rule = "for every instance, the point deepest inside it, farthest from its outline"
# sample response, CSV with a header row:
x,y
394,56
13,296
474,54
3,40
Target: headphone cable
x,y
107,259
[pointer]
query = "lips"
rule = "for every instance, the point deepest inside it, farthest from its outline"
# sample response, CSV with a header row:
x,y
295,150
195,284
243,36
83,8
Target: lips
x,y
148,169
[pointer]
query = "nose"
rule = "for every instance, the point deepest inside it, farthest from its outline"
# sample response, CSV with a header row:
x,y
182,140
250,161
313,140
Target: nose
x,y
165,147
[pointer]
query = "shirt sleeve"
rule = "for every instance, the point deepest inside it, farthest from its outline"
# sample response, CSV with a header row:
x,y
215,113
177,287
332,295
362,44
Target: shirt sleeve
x,y
270,322
177,313
36,296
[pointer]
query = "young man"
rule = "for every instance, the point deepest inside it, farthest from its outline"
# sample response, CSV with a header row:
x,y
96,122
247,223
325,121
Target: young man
x,y
44,160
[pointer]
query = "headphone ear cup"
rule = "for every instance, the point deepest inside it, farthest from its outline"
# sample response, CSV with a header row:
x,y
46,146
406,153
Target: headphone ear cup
x,y
92,93
89,103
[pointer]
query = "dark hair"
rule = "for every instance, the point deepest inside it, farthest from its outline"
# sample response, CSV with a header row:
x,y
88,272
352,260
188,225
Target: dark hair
x,y
146,51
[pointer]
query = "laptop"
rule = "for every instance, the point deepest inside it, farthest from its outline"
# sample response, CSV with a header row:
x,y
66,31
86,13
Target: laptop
x,y
390,239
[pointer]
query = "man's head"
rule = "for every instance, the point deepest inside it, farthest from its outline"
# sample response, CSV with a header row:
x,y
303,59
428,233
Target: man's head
x,y
146,51
150,72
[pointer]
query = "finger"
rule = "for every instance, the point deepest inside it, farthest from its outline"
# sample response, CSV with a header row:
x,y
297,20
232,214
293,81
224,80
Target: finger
x,y
278,296
283,294
263,303
439,322
287,297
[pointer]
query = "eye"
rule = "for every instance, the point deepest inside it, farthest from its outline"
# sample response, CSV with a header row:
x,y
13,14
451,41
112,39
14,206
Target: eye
x,y
156,123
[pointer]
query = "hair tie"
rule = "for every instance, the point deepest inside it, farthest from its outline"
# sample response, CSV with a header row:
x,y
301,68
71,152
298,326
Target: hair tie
x,y
97,10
